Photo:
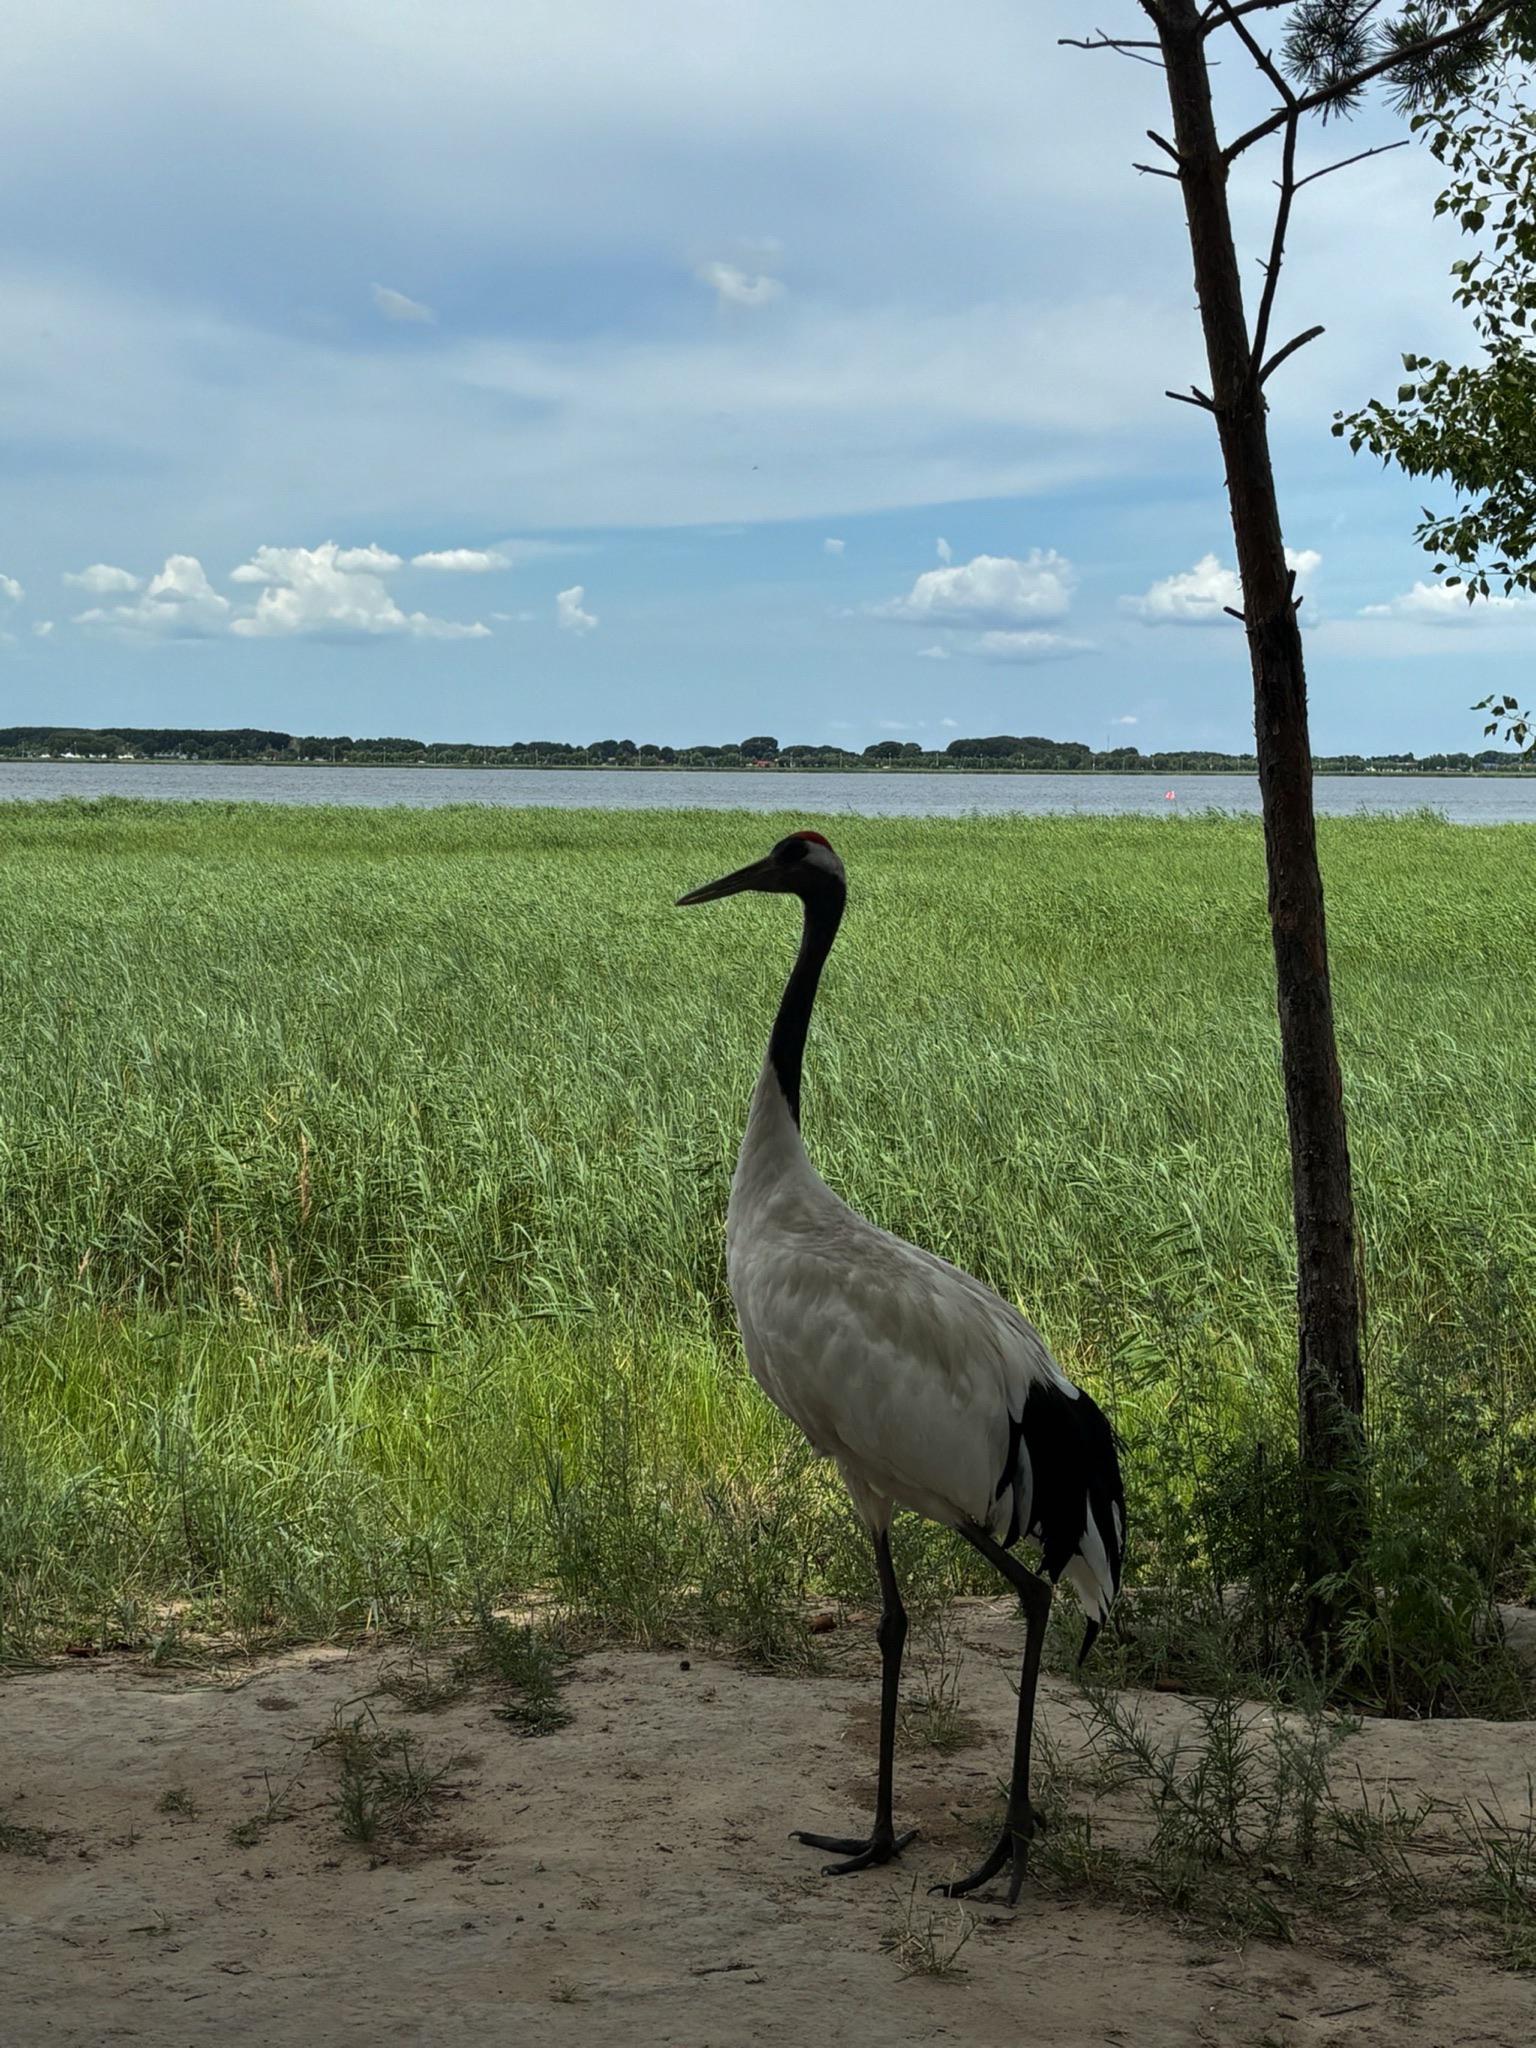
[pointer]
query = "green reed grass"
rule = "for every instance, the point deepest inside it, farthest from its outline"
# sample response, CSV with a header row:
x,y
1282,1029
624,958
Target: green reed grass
x,y
362,1176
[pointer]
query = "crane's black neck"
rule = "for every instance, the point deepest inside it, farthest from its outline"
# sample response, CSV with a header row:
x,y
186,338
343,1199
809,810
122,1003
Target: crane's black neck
x,y
824,896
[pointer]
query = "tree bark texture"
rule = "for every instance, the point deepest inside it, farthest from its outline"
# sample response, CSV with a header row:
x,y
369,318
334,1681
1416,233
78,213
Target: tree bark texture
x,y
1330,1375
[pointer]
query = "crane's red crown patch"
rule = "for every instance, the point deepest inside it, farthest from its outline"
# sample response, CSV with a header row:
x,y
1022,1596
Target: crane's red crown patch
x,y
814,837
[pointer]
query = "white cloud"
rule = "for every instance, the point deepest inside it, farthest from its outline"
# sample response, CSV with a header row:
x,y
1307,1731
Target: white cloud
x,y
178,604
1126,718
102,579
331,593
396,306
462,561
1029,647
1435,604
933,653
736,288
989,590
10,588
569,615
1190,597
506,554
953,723
943,549
833,547
515,618
273,565
1200,596
42,628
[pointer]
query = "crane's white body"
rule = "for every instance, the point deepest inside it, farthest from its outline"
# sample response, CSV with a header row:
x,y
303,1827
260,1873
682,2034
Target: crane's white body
x,y
913,1376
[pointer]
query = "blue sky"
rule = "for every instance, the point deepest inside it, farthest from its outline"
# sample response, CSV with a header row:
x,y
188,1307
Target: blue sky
x,y
673,372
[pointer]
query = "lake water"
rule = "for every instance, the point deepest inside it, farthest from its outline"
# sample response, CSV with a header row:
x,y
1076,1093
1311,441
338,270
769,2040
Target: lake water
x,y
1466,800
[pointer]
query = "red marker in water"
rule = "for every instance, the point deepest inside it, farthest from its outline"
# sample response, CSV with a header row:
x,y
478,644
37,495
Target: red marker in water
x,y
1169,797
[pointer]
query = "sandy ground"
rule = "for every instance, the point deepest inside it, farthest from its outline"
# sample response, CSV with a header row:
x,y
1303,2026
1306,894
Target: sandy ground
x,y
629,1878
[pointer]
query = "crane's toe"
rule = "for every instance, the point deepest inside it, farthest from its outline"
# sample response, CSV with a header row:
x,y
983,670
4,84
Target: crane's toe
x,y
1011,1848
860,1855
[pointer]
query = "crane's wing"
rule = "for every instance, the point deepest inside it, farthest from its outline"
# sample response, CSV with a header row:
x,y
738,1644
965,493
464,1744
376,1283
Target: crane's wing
x,y
891,1360
932,1391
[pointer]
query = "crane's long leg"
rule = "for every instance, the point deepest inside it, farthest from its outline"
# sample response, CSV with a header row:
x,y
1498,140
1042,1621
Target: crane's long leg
x,y
1019,1827
884,1842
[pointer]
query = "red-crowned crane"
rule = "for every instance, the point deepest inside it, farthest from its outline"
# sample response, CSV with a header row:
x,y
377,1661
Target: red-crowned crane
x,y
927,1389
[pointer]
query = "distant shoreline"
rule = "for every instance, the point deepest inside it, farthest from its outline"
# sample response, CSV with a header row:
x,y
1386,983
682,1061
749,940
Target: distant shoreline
x,y
1515,772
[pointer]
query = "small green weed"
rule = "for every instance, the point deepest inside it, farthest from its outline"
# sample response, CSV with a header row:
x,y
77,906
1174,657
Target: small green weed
x,y
277,1805
521,1663
1236,1824
1504,1873
932,1717
524,1661
927,1941
424,1686
387,1791
18,1839
535,1714
1380,1834
1228,1806
755,1568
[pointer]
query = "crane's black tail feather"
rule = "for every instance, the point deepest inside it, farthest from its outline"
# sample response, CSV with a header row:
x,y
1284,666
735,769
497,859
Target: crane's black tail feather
x,y
1064,1470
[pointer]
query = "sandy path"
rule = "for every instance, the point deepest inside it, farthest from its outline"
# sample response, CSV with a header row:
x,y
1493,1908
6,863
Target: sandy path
x,y
626,1879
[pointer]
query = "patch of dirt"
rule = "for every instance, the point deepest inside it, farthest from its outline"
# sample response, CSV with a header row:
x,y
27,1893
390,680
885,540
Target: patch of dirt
x,y
629,1877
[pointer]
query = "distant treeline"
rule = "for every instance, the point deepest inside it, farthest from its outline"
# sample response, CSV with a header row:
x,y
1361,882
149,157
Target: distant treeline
x,y
761,751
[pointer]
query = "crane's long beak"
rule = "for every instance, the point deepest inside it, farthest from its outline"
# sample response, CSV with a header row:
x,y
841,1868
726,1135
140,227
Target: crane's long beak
x,y
758,874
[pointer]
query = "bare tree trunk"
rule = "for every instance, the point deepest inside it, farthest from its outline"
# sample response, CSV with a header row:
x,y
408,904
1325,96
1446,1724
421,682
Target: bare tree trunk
x,y
1330,1376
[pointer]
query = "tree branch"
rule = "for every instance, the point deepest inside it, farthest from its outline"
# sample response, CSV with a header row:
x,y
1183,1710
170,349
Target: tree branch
x,y
1155,171
1344,163
1219,13
1341,88
1193,396
1230,16
1280,354
1276,245
1123,46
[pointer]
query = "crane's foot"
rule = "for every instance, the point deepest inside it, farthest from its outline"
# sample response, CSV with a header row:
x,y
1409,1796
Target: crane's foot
x,y
1011,1848
861,1855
